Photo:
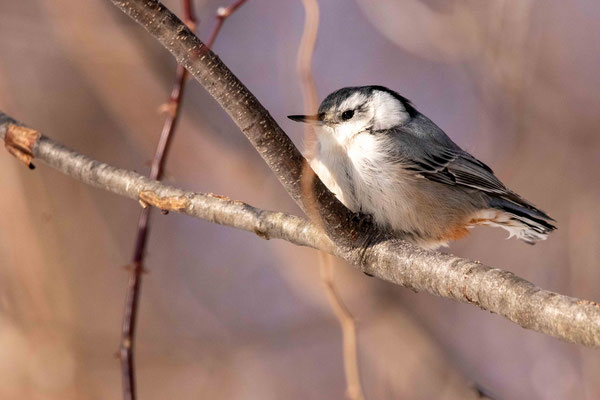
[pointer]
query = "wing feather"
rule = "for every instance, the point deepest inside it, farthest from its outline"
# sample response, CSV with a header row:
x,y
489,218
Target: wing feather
x,y
423,148
459,168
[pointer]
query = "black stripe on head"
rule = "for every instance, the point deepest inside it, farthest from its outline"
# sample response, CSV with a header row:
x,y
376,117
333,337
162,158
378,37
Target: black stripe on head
x,y
335,99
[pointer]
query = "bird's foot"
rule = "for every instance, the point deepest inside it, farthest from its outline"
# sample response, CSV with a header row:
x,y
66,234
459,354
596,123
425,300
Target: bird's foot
x,y
362,220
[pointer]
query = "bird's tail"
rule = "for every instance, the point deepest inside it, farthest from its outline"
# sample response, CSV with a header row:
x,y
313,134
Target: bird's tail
x,y
520,218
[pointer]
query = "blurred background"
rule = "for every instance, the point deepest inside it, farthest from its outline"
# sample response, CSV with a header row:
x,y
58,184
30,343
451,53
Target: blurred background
x,y
227,315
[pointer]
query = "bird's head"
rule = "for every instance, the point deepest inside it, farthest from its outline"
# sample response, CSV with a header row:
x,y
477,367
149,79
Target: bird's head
x,y
352,110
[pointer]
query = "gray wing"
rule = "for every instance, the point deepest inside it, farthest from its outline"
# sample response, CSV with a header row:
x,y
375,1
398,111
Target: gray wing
x,y
455,167
435,157
459,168
423,148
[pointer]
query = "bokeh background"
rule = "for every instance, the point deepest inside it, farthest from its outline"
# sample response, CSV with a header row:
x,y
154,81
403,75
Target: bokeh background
x,y
227,315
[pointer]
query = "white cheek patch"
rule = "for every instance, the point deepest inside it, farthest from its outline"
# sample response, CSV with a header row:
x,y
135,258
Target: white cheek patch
x,y
389,112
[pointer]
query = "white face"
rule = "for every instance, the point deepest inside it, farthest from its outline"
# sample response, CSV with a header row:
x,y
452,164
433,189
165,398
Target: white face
x,y
360,112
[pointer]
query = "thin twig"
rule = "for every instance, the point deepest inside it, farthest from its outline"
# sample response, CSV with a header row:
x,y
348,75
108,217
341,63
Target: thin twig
x,y
309,94
347,324
173,107
132,297
222,14
501,292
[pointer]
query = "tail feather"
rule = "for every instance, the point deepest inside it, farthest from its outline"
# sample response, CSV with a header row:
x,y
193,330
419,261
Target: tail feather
x,y
521,219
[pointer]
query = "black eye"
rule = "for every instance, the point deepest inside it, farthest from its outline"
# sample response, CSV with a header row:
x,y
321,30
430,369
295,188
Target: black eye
x,y
346,115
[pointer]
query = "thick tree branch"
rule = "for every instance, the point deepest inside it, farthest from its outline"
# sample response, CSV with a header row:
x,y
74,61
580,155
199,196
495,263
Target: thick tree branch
x,y
491,289
213,208
271,142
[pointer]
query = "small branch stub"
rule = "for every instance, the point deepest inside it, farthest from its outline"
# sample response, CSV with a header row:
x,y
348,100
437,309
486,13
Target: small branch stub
x,y
164,203
223,12
135,267
19,142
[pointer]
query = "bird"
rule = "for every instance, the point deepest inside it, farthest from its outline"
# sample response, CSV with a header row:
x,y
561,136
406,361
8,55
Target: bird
x,y
383,158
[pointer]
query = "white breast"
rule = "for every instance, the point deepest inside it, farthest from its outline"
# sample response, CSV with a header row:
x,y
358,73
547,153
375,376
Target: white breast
x,y
362,175
332,164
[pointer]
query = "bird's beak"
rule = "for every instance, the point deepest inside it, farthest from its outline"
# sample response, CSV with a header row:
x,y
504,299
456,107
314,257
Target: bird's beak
x,y
309,119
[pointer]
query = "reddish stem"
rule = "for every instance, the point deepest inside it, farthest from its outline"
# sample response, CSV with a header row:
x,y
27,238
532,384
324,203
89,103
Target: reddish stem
x,y
156,172
222,14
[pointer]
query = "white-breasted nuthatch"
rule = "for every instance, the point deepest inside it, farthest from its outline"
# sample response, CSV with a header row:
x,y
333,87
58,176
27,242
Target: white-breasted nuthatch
x,y
382,157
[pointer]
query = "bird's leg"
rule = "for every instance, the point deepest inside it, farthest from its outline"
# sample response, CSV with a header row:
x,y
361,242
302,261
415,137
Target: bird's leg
x,y
363,220
368,231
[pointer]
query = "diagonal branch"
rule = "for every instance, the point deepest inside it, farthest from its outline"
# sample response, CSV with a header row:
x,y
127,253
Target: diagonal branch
x,y
501,292
271,142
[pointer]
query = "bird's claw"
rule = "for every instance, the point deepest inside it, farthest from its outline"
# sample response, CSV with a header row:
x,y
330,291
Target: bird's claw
x,y
361,219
